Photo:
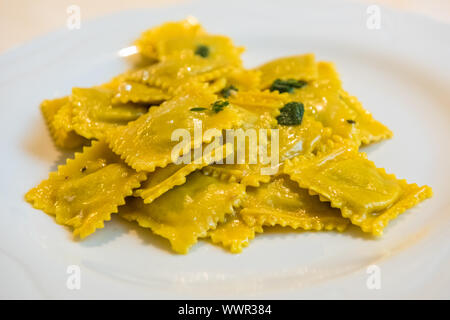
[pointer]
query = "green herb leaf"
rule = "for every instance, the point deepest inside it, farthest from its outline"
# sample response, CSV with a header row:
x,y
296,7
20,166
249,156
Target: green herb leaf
x,y
226,92
351,121
198,109
287,85
291,114
202,51
219,105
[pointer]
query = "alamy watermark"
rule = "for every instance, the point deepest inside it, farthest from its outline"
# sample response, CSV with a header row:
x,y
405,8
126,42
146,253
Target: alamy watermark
x,y
373,21
373,281
73,281
74,19
241,146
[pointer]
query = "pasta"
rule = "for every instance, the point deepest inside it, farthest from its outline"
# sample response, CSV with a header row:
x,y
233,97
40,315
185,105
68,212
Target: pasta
x,y
95,114
147,142
87,190
368,196
282,202
187,212
58,117
193,146
234,234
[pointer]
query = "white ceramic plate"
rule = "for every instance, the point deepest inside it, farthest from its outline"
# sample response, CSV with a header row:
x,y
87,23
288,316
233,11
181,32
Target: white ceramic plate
x,y
401,72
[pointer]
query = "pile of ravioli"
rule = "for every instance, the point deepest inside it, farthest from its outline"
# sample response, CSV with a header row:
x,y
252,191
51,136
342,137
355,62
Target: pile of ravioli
x,y
122,132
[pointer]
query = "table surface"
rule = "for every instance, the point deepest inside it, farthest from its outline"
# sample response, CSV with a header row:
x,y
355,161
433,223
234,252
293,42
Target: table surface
x,y
22,20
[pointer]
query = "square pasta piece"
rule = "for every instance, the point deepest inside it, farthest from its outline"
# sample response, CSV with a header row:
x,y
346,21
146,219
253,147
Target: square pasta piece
x,y
336,109
58,117
282,202
367,195
177,39
322,98
163,179
279,202
300,67
94,113
171,74
187,212
136,92
147,142
370,130
234,234
240,79
292,141
260,110
85,192
151,39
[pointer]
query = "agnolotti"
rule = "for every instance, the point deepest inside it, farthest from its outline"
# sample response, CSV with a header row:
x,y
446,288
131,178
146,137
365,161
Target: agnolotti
x,y
367,195
85,191
187,212
147,143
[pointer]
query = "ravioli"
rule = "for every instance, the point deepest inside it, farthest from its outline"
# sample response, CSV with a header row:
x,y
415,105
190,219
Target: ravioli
x,y
234,234
282,202
147,142
167,147
95,114
292,141
171,74
151,39
130,91
367,195
58,117
299,67
187,212
85,192
260,111
163,179
243,80
370,130
338,110
177,39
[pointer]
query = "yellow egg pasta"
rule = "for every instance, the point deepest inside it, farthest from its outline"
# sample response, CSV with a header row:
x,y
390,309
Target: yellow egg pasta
x,y
241,79
193,146
170,74
147,142
367,195
370,130
282,202
163,179
293,140
234,234
300,67
151,39
177,39
187,212
95,114
58,117
85,192
130,91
